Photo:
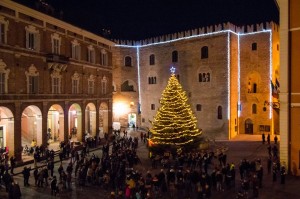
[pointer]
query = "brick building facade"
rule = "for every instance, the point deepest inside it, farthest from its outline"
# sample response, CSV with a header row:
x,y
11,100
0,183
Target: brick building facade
x,y
55,80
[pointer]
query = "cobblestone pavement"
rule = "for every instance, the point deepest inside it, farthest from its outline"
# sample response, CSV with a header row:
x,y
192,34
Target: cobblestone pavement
x,y
237,150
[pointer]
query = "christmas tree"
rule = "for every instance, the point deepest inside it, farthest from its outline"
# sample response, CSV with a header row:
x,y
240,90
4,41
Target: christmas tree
x,y
174,125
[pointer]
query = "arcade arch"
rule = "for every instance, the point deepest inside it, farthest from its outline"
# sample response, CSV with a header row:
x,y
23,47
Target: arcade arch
x,y
31,126
55,124
90,119
75,122
103,119
7,129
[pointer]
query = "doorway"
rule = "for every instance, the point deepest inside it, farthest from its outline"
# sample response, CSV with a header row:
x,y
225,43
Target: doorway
x,y
248,126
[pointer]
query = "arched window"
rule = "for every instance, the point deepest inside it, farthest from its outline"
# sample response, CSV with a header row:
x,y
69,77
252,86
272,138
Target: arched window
x,y
204,52
208,77
127,87
152,59
254,46
254,108
128,62
220,115
254,88
200,77
174,56
203,77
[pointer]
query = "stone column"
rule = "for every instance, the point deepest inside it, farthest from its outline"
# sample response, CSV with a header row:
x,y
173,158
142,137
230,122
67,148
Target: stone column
x,y
97,118
44,123
17,151
66,121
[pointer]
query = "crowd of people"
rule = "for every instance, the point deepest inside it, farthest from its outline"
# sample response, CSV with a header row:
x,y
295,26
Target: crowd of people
x,y
198,174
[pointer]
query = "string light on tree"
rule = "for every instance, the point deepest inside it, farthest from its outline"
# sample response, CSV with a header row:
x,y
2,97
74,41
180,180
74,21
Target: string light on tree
x,y
174,123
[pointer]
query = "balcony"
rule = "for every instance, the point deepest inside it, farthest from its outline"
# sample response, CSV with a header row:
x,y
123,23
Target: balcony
x,y
57,58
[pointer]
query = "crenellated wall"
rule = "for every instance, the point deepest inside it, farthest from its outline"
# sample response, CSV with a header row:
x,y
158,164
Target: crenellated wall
x,y
202,30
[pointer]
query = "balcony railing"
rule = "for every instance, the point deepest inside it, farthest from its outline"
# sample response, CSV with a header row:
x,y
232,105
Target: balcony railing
x,y
57,58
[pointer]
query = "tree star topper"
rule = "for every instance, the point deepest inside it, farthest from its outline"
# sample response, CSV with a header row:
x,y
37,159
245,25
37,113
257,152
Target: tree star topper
x,y
172,69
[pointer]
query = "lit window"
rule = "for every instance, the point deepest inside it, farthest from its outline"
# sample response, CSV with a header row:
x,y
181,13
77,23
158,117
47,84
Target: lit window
x,y
128,62
55,85
56,42
91,87
75,50
91,84
56,82
4,72
2,82
103,58
152,59
32,38
91,54
204,52
75,86
75,83
3,30
33,84
204,77
104,85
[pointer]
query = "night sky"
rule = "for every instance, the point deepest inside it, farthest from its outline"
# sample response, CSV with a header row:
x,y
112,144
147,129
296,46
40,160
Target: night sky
x,y
140,19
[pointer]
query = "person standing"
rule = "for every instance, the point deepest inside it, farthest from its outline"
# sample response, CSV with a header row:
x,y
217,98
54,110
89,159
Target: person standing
x,y
282,175
16,191
12,164
268,138
274,171
275,139
26,175
263,138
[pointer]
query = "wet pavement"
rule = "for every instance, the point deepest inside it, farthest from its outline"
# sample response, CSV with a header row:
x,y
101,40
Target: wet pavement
x,y
238,149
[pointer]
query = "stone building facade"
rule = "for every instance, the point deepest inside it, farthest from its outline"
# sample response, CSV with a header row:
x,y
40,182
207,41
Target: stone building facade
x,y
55,80
290,85
225,70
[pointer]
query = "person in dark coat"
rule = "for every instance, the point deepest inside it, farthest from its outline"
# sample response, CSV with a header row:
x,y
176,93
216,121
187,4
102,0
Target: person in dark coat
x,y
263,138
268,139
282,175
26,174
12,164
16,191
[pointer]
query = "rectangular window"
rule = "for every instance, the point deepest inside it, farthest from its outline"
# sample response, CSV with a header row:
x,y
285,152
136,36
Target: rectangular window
x,y
261,127
90,87
76,52
56,44
199,107
55,85
2,33
31,39
267,128
103,59
152,106
75,86
91,55
33,84
254,46
2,82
